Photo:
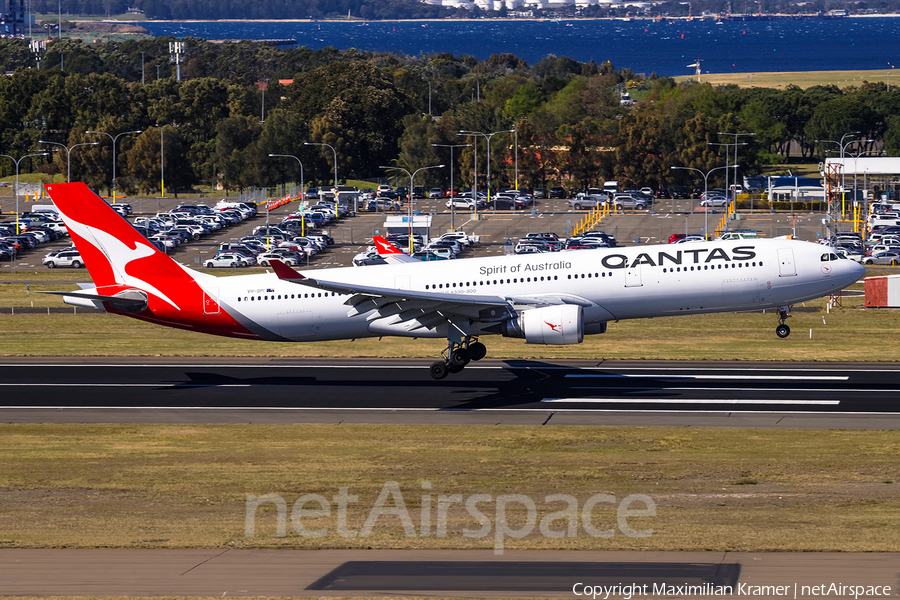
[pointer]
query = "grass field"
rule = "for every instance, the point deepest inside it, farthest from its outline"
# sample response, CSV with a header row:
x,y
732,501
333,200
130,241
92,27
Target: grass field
x,y
847,333
803,79
843,333
187,485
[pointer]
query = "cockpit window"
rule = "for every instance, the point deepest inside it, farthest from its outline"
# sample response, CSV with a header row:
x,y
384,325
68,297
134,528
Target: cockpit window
x,y
834,257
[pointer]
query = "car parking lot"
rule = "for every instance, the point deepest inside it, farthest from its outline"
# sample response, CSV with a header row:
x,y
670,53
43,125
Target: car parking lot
x,y
498,231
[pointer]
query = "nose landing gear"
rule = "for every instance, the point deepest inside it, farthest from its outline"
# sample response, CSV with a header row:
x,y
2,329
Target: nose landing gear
x,y
458,355
783,330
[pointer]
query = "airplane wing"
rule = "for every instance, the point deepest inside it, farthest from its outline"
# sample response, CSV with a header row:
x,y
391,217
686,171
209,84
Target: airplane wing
x,y
425,308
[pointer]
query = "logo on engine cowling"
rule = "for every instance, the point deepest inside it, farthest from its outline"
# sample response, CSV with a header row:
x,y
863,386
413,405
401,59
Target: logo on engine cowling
x,y
552,326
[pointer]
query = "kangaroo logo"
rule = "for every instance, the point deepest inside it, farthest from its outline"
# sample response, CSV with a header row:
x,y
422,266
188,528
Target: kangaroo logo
x,y
553,327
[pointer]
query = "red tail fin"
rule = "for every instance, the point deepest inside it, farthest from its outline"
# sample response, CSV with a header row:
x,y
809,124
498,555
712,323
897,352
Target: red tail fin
x,y
115,254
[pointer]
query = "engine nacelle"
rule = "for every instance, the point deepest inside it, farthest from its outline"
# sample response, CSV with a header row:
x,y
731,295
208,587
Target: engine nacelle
x,y
557,325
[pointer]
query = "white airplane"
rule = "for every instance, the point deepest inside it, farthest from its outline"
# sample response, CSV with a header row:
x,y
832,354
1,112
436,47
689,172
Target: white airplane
x,y
552,298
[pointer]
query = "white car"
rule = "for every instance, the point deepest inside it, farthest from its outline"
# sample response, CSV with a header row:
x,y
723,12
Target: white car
x,y
466,203
230,259
436,193
714,201
63,258
285,255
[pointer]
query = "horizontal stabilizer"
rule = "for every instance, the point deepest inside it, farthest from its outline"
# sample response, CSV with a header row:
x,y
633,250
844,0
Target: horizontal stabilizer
x,y
132,301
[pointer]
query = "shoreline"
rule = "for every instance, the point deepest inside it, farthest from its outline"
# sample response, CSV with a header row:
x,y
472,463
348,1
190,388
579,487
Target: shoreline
x,y
357,20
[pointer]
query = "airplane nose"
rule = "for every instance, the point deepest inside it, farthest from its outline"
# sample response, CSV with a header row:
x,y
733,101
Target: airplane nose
x,y
857,271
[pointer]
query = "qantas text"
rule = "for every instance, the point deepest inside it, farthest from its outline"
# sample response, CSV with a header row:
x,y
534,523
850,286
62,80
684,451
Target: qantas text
x,y
691,256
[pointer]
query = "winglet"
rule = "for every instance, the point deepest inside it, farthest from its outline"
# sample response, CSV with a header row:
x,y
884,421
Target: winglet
x,y
385,247
285,272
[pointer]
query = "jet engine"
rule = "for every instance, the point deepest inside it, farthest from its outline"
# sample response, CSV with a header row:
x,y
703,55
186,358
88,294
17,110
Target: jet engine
x,y
556,325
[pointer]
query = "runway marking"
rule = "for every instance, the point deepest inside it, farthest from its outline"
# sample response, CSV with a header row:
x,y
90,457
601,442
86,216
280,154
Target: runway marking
x,y
468,368
720,389
150,385
756,377
690,401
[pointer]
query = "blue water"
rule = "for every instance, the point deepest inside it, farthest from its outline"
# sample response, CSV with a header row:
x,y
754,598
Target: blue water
x,y
643,46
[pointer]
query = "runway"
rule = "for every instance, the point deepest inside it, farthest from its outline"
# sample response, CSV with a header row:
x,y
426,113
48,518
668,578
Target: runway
x,y
401,391
475,573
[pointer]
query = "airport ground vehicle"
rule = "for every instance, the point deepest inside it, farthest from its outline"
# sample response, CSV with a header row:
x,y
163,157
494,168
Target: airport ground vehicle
x,y
527,297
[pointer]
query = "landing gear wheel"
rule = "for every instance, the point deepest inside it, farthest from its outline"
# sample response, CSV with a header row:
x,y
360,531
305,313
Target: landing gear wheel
x,y
782,331
455,368
459,358
477,351
438,370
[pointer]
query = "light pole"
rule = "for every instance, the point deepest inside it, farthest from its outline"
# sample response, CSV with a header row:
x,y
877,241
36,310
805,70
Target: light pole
x,y
303,219
705,191
452,165
488,137
516,156
842,145
162,162
736,135
865,185
68,154
335,156
110,136
17,180
412,176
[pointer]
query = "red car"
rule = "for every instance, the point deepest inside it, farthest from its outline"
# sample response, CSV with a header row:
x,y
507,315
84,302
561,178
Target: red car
x,y
452,193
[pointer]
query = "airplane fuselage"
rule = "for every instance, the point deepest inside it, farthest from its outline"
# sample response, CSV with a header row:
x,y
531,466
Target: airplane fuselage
x,y
609,284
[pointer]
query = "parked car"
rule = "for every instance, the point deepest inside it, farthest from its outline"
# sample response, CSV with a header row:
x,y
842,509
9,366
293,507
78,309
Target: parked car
x,y
583,200
464,203
63,258
368,256
887,257
229,258
680,192
436,193
558,192
285,255
622,201
714,201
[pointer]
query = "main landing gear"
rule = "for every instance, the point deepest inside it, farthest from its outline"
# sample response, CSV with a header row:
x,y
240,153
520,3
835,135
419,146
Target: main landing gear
x,y
783,330
457,355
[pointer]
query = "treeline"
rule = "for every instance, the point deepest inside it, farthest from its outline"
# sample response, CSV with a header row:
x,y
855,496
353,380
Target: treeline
x,y
414,9
218,126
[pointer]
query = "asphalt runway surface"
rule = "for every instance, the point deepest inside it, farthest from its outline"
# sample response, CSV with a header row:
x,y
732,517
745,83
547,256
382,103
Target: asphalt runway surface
x,y
401,391
461,573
